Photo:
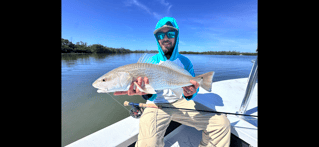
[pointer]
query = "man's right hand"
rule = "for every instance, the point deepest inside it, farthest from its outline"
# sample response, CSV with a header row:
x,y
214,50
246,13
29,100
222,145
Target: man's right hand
x,y
131,91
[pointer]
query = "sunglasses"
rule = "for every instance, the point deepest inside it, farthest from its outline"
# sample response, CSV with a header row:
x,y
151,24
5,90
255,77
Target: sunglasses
x,y
169,34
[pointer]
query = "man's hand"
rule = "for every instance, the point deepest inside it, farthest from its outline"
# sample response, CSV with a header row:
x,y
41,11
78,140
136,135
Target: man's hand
x,y
190,90
131,91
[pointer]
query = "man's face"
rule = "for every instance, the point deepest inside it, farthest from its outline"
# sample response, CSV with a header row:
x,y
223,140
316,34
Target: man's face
x,y
167,44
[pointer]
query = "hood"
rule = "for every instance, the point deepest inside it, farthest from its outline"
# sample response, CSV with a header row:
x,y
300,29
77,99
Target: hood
x,y
175,53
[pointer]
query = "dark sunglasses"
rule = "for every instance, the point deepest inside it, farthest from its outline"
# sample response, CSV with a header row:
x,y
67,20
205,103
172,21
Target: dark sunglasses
x,y
169,34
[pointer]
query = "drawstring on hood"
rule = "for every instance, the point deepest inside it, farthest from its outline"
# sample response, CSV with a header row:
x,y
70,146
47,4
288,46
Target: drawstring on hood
x,y
163,23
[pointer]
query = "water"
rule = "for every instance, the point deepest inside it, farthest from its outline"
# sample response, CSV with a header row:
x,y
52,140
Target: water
x,y
85,111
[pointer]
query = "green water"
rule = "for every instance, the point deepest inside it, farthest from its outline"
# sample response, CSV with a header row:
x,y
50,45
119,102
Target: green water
x,y
84,111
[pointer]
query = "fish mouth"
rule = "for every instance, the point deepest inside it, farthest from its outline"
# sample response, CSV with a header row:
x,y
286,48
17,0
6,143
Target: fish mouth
x,y
94,84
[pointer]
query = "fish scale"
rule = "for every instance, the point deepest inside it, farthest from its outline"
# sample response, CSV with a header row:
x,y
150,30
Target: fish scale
x,y
166,75
162,76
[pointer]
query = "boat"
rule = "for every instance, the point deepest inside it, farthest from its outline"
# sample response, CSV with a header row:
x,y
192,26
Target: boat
x,y
235,96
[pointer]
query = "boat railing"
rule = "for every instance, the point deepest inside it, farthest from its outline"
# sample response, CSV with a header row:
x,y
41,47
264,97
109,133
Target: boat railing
x,y
252,80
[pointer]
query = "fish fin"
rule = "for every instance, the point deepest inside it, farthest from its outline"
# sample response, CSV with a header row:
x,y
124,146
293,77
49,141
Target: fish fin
x,y
178,92
174,66
126,79
145,58
206,80
147,89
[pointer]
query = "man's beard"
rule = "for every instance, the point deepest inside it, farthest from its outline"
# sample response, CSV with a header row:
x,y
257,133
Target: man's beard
x,y
168,51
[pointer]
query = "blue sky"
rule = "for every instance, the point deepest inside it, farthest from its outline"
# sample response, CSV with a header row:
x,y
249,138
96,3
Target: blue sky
x,y
205,25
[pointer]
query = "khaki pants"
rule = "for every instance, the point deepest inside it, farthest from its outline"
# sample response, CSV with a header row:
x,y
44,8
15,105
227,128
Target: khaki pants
x,y
154,122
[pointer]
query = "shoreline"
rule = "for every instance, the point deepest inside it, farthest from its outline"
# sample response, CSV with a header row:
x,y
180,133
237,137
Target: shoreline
x,y
82,48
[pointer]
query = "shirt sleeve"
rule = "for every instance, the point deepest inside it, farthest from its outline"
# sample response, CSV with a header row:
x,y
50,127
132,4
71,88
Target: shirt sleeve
x,y
189,67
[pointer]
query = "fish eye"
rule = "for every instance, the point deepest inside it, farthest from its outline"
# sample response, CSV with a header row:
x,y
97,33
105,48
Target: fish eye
x,y
103,80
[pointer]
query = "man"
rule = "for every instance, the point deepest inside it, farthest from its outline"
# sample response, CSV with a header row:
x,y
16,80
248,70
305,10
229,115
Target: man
x,y
154,122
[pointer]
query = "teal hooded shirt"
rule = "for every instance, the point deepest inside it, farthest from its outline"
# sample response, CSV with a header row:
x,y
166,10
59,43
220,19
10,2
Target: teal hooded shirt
x,y
175,55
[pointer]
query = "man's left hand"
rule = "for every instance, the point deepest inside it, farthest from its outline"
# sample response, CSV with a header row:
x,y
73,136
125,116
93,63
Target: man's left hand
x,y
190,90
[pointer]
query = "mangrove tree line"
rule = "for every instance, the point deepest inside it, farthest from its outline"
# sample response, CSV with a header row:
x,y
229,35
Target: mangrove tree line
x,y
82,47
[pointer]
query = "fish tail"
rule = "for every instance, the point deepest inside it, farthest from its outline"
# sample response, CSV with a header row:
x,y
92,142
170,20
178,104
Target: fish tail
x,y
206,80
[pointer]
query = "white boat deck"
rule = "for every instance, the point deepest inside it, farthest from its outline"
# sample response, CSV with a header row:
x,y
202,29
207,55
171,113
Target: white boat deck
x,y
226,96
